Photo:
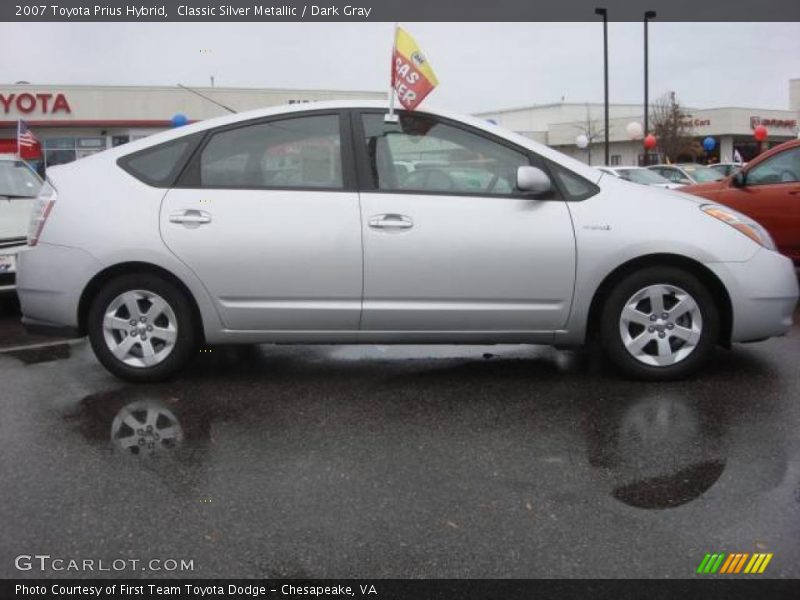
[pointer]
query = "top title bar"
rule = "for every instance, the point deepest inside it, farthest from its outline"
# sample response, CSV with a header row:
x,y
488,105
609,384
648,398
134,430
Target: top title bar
x,y
386,10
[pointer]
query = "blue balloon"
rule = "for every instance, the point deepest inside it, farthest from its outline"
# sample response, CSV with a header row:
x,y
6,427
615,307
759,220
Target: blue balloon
x,y
709,144
179,120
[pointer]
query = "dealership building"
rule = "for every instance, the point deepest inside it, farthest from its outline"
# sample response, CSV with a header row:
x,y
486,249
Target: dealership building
x,y
76,120
559,125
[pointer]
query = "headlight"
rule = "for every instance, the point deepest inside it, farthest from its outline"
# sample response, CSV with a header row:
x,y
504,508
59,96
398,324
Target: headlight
x,y
742,223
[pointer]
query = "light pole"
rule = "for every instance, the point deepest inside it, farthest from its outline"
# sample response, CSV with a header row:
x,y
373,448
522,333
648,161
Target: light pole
x,y
650,14
604,13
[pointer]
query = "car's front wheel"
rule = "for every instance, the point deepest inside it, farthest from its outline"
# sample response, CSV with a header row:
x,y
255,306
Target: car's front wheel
x,y
659,323
141,327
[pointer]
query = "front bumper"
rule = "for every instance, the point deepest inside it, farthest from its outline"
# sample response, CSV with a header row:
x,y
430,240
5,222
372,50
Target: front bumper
x,y
763,293
50,281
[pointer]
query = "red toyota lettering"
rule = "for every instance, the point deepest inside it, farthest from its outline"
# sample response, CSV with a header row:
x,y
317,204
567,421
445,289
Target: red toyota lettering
x,y
26,103
43,100
6,102
61,103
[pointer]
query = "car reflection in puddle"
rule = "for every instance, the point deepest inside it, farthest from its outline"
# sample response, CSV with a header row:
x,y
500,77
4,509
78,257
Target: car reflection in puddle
x,y
144,428
659,452
143,423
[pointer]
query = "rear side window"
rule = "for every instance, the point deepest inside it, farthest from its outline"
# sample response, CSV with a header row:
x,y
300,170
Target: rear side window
x,y
299,152
159,165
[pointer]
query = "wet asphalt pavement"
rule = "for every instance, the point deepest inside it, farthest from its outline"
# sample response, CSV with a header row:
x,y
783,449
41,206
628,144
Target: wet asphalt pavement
x,y
383,461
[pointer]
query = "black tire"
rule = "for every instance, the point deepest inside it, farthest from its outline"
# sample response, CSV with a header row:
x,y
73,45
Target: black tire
x,y
623,290
187,335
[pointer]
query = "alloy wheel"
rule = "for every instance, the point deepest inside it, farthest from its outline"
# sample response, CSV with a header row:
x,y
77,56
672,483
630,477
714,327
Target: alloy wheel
x,y
140,328
660,325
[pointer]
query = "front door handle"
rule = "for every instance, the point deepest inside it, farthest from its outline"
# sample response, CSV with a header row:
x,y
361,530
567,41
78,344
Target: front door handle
x,y
391,221
190,218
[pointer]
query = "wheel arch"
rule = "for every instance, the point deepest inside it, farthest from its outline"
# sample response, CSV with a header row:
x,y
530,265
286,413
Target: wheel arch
x,y
128,268
704,274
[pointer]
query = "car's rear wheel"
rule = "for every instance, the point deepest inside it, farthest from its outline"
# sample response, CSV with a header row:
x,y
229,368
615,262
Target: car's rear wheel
x,y
141,327
659,323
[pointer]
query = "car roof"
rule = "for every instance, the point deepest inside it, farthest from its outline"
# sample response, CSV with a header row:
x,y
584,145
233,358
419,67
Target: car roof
x,y
298,108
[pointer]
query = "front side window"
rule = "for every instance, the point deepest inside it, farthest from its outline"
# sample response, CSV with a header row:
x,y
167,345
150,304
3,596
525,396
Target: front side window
x,y
423,154
781,168
301,152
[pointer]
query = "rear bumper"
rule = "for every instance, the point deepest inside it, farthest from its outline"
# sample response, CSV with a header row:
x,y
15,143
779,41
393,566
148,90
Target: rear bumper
x,y
763,292
8,282
50,280
8,269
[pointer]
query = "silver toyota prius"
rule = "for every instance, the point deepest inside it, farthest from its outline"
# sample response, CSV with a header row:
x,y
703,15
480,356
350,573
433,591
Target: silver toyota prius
x,y
329,223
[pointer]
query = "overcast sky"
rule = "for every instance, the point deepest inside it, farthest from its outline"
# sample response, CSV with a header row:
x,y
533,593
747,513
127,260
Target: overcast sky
x,y
479,66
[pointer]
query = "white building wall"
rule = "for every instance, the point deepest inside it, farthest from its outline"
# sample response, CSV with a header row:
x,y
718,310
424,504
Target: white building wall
x,y
108,103
794,95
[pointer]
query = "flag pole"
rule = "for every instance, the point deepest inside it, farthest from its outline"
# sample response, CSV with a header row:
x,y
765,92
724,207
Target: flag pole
x,y
19,153
391,117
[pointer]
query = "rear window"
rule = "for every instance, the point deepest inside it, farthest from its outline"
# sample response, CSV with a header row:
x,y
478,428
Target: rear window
x,y
159,165
17,180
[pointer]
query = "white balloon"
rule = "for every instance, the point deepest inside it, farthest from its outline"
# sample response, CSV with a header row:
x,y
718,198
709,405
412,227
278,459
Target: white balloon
x,y
634,130
581,141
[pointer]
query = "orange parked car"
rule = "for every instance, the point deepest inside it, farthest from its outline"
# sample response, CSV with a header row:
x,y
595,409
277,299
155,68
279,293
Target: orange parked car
x,y
767,190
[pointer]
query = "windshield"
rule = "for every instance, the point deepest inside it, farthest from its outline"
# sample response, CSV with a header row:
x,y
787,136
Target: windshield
x,y
17,179
645,176
702,174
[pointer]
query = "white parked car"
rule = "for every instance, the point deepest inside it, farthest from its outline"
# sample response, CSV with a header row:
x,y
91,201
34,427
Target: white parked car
x,y
19,186
300,224
641,175
687,173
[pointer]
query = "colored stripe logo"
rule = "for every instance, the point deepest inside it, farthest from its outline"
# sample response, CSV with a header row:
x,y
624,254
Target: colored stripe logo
x,y
734,563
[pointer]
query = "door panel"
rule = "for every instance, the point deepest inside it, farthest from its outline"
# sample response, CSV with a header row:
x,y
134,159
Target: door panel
x,y
450,244
272,260
262,217
467,264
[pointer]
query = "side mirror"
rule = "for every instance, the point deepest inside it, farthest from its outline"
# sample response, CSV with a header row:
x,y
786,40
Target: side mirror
x,y
739,180
532,180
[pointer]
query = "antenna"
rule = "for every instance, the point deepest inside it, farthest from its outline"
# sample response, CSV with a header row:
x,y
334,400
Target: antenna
x,y
188,89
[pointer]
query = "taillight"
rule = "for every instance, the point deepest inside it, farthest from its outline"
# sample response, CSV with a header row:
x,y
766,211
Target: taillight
x,y
41,210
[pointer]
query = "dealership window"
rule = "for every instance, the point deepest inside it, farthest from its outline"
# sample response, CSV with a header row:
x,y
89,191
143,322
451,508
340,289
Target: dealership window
x,y
300,152
58,151
421,153
616,160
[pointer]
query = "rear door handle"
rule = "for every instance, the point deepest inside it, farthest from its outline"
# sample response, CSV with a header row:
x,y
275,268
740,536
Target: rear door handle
x,y
391,221
190,218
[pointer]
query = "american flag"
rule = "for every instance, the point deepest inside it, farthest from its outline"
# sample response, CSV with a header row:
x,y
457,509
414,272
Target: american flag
x,y
25,137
